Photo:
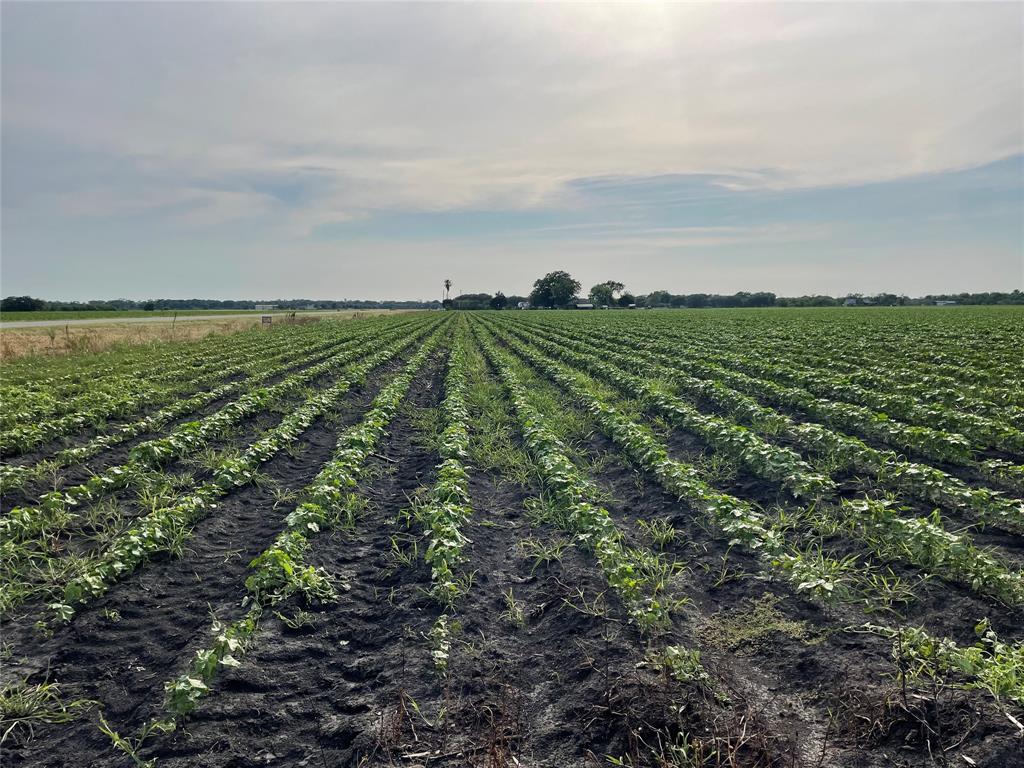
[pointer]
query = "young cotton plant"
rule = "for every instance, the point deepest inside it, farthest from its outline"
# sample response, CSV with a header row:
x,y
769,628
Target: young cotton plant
x,y
185,439
846,452
279,572
925,543
764,459
184,692
166,528
735,517
592,525
990,664
446,508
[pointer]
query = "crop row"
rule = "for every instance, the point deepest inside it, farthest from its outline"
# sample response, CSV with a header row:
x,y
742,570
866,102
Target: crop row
x,y
917,541
980,430
876,373
118,391
182,441
30,435
16,475
760,457
986,353
446,507
848,453
636,577
932,443
279,572
991,665
164,528
443,511
144,365
869,363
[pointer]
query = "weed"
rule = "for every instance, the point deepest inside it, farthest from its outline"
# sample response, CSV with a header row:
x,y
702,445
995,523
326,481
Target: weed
x,y
299,620
753,625
513,610
130,746
542,552
659,531
24,706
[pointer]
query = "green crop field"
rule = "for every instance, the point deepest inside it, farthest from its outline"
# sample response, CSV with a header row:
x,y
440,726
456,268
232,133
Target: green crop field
x,y
522,538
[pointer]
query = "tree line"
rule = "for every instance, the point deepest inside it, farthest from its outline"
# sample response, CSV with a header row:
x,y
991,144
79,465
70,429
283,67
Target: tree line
x,y
31,304
560,289
556,289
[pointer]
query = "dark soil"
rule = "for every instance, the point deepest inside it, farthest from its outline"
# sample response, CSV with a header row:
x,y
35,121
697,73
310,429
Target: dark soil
x,y
317,694
120,649
790,683
118,454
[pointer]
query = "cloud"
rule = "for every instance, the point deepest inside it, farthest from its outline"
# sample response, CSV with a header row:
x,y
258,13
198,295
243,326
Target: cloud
x,y
301,125
441,107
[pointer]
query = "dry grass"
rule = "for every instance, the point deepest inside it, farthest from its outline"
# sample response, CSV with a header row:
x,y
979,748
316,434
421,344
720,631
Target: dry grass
x,y
84,339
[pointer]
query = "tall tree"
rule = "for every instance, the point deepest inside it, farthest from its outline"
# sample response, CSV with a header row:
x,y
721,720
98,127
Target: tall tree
x,y
615,286
601,295
499,301
21,304
658,299
555,289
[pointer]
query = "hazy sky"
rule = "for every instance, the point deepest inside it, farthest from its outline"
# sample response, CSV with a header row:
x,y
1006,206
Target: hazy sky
x,y
340,151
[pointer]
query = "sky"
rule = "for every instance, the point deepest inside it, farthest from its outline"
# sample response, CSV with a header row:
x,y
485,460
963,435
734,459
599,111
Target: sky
x,y
329,151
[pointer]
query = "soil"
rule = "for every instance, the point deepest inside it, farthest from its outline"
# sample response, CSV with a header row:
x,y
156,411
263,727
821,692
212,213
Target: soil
x,y
119,453
354,682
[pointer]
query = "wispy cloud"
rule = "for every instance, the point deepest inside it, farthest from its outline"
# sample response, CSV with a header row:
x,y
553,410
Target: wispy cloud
x,y
633,126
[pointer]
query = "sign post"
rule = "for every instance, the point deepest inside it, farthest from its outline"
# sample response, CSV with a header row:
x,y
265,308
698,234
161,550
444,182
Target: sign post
x,y
267,319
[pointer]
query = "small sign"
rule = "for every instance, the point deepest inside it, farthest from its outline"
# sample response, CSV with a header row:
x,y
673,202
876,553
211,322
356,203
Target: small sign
x,y
267,319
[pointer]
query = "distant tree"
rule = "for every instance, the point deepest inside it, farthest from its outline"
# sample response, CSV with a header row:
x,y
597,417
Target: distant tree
x,y
697,300
615,286
760,299
149,306
22,304
499,301
601,295
555,289
472,301
626,299
658,299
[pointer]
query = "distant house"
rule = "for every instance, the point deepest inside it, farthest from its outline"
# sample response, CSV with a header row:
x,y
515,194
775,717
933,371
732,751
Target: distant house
x,y
266,306
632,306
851,301
584,305
945,303
523,305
